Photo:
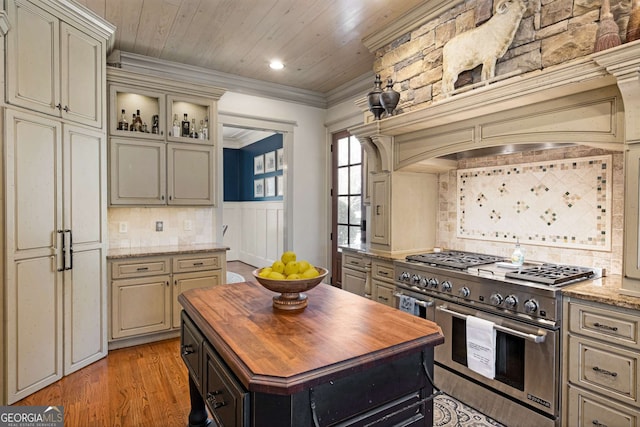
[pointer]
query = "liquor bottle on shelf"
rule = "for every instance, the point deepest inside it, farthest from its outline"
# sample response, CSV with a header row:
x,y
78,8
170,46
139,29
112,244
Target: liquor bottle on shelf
x,y
194,132
201,130
155,125
144,127
175,131
123,124
132,128
205,129
185,126
137,122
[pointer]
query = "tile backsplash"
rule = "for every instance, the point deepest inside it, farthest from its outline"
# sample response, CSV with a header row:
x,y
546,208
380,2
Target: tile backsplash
x,y
136,227
586,186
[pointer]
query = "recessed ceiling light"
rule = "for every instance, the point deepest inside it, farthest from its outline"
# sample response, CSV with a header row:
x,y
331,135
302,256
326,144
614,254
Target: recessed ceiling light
x,y
276,65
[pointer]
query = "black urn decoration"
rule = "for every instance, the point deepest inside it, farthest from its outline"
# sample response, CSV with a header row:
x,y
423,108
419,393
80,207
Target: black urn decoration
x,y
389,98
375,106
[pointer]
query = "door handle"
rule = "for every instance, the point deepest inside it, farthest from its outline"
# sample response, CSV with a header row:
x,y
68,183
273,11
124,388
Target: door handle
x,y
63,250
70,250
529,337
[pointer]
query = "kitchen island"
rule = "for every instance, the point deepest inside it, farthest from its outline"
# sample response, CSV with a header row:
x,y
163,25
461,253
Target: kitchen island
x,y
343,360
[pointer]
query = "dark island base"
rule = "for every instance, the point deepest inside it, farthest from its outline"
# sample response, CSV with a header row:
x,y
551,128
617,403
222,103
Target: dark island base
x,y
381,396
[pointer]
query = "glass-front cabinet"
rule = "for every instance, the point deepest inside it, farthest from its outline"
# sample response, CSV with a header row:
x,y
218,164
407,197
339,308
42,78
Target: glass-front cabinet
x,y
162,141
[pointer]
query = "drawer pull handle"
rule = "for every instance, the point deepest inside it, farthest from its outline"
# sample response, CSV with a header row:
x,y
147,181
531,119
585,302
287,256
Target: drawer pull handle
x,y
198,263
607,327
383,298
142,268
605,372
187,349
598,423
211,398
383,273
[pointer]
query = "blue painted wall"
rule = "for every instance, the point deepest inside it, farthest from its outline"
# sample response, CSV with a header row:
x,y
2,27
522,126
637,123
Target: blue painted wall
x,y
238,170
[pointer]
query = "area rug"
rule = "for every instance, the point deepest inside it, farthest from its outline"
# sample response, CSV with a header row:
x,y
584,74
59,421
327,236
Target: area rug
x,y
449,412
234,277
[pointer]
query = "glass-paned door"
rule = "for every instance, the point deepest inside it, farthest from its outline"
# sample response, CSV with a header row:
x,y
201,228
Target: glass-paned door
x,y
346,195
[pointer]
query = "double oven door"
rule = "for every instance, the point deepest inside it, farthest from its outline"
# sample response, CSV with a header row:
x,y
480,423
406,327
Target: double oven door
x,y
526,357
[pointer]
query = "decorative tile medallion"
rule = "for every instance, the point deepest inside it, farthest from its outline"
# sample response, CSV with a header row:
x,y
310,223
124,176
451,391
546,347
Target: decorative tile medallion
x,y
562,203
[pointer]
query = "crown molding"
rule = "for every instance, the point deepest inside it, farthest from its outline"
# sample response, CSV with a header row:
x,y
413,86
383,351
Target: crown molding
x,y
79,13
411,20
354,88
233,83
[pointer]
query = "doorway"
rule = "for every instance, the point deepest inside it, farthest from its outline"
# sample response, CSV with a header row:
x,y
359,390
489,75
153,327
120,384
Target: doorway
x,y
258,224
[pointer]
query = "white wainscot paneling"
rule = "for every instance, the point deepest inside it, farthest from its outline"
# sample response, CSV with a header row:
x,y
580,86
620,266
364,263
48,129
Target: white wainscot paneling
x,y
255,233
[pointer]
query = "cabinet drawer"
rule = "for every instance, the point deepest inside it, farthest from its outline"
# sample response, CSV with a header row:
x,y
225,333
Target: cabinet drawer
x,y
186,263
609,325
383,293
226,398
191,349
588,410
382,271
139,267
604,368
355,260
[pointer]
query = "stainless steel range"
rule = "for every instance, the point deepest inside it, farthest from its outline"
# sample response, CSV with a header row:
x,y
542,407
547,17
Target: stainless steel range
x,y
523,303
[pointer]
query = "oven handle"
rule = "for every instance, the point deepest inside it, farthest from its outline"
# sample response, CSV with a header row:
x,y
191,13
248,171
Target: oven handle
x,y
424,304
529,337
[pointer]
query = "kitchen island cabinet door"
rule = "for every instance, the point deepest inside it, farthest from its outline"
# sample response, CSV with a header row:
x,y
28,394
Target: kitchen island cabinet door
x,y
190,174
138,172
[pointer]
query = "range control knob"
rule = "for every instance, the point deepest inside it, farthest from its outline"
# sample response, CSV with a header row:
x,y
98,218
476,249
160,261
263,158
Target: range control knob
x,y
496,299
423,282
416,279
446,286
433,282
464,292
530,306
511,301
404,276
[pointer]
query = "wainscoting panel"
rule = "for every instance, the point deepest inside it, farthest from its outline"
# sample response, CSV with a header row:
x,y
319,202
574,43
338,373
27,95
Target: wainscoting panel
x,y
255,232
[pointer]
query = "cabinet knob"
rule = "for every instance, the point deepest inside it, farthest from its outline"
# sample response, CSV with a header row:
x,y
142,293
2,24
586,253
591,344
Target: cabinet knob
x,y
66,109
187,349
59,106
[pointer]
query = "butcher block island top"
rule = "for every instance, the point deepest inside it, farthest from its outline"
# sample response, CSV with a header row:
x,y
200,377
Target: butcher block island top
x,y
337,337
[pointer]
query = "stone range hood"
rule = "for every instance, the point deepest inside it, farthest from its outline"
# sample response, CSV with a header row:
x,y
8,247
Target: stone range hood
x,y
592,101
575,103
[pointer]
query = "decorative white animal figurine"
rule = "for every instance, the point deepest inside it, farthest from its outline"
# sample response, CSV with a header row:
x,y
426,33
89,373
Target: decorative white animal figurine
x,y
482,45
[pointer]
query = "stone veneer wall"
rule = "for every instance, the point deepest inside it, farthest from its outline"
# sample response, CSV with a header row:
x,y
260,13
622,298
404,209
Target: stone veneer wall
x,y
447,215
551,32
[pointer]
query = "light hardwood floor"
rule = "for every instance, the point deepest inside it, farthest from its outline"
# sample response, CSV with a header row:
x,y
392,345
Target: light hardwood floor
x,y
145,385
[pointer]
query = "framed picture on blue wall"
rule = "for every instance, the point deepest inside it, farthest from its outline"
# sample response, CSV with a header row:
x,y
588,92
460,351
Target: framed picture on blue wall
x,y
280,185
270,161
258,164
270,186
258,188
280,158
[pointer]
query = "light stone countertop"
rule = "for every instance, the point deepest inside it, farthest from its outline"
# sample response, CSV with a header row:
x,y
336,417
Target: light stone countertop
x,y
117,253
605,291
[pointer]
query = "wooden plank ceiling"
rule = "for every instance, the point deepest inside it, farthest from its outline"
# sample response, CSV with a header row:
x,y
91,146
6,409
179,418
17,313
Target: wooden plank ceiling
x,y
320,41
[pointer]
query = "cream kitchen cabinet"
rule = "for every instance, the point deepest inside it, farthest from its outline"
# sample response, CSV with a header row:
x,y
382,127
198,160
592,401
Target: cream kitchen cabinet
x,y
156,173
55,65
161,167
144,293
356,273
380,208
55,255
382,282
602,360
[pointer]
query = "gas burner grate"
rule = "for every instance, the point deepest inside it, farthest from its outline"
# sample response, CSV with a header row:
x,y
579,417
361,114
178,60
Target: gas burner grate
x,y
551,274
454,259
